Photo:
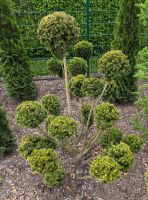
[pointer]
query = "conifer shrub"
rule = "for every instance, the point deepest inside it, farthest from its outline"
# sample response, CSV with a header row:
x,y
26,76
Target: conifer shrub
x,y
55,67
52,104
85,112
77,66
110,137
7,139
122,155
48,120
106,115
104,169
134,142
75,86
116,70
30,114
62,127
31,142
83,49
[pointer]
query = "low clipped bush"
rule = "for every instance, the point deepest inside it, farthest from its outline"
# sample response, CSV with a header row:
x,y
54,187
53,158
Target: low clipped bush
x,y
85,112
111,137
75,86
62,127
83,49
48,120
105,169
31,142
92,87
134,142
52,104
55,67
106,115
122,155
77,66
30,114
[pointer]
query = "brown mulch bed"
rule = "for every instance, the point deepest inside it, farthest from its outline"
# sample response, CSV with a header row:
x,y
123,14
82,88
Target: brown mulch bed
x,y
20,183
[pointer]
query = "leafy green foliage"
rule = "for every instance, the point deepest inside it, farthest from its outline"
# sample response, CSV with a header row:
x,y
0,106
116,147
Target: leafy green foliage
x,y
111,137
116,71
55,67
48,121
105,169
52,104
16,67
58,31
7,140
31,142
62,127
144,12
77,66
30,114
83,49
85,112
106,115
134,142
122,155
75,86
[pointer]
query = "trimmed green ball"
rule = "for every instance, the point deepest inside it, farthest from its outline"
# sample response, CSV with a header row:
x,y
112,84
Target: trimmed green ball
x,y
77,66
85,112
55,67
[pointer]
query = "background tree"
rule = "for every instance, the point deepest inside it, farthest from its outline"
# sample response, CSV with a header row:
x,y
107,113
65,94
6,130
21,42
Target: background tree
x,y
16,68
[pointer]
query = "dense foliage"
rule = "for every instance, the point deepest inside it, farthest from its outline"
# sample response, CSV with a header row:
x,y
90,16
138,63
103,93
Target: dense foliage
x,y
85,112
55,67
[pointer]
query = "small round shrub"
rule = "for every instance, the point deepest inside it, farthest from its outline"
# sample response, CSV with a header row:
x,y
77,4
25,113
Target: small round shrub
x,y
62,127
106,115
110,137
105,169
31,142
122,155
55,67
43,160
52,104
77,66
92,87
83,49
85,112
30,114
75,86
48,120
134,142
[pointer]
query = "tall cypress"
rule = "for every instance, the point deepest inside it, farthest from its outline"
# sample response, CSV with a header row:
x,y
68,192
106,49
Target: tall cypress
x,y
16,68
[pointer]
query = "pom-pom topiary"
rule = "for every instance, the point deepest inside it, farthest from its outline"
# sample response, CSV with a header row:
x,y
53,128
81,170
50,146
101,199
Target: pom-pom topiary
x,y
83,49
85,112
122,155
75,86
92,87
52,104
48,120
77,66
106,115
116,70
30,114
134,142
105,169
110,137
62,127
31,142
55,67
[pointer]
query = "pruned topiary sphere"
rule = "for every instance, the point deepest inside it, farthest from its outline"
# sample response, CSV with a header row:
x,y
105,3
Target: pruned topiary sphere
x,y
134,142
83,49
92,87
110,137
62,127
106,115
52,104
30,114
75,86
48,120
58,31
122,155
77,66
104,169
55,67
85,112
31,142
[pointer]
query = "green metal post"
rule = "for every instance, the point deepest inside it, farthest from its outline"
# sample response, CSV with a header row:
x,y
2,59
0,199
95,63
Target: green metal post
x,y
88,27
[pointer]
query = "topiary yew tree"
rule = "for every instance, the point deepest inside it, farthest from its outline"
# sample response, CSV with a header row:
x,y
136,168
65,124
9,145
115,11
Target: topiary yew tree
x,y
16,68
58,31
